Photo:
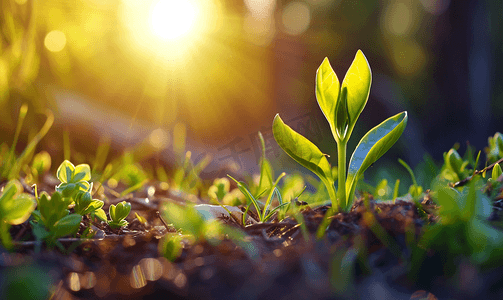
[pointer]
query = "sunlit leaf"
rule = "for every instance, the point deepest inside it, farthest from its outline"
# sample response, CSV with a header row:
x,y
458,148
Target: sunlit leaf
x,y
327,93
356,88
82,173
65,171
100,214
18,209
371,147
301,149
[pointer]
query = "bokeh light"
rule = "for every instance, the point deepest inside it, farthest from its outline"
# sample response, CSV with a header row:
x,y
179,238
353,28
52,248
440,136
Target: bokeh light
x,y
259,22
296,18
398,19
55,41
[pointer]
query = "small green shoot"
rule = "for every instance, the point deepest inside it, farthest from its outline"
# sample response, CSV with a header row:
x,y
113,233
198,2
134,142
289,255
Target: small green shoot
x,y
495,149
52,219
15,208
73,179
454,166
195,229
118,214
40,165
264,214
342,106
395,190
496,173
462,229
84,204
415,190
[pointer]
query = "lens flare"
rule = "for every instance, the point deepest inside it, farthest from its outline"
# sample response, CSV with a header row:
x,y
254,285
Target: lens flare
x,y
172,19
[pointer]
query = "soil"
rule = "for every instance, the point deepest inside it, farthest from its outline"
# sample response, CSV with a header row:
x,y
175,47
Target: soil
x,y
363,256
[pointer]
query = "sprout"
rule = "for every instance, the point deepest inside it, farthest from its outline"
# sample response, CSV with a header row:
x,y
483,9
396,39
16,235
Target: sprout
x,y
118,214
342,106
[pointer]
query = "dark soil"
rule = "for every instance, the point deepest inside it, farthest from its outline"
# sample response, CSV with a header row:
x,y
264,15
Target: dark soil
x,y
371,243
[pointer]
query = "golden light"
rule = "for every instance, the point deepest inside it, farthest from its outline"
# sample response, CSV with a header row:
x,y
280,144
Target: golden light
x,y
171,19
198,72
55,41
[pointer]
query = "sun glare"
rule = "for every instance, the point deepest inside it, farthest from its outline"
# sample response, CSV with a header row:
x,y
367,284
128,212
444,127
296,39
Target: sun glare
x,y
172,19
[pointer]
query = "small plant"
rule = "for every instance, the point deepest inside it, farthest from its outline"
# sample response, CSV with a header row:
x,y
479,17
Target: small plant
x,y
73,179
342,106
495,149
264,214
75,187
118,214
85,204
462,229
15,208
455,167
415,190
195,229
52,219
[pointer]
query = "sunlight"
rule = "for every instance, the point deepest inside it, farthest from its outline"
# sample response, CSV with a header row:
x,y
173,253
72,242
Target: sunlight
x,y
171,19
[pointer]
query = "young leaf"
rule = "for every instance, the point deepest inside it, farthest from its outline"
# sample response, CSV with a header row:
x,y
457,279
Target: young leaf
x,y
82,172
301,150
371,147
496,172
356,88
18,209
100,214
266,172
65,171
122,210
327,93
67,225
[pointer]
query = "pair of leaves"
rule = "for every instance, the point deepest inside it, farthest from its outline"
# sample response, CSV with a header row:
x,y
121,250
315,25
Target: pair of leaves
x,y
343,105
118,213
73,178
15,206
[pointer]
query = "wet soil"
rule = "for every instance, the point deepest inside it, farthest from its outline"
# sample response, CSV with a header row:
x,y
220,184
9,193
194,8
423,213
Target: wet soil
x,y
364,255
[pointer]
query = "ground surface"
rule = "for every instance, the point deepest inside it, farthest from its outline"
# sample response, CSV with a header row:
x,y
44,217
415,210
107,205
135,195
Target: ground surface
x,y
125,264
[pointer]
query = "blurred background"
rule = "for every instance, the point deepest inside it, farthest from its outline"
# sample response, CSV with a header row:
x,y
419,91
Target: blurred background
x,y
136,72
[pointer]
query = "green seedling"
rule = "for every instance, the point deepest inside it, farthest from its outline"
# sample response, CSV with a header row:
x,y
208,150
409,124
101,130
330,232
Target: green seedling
x,y
264,214
73,178
462,229
118,214
496,173
455,167
415,190
220,192
85,204
495,149
52,220
40,165
195,229
219,189
342,106
493,183
15,208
